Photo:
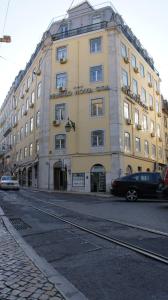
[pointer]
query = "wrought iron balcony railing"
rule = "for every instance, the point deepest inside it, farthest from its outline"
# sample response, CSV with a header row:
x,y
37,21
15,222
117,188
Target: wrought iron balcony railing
x,y
80,30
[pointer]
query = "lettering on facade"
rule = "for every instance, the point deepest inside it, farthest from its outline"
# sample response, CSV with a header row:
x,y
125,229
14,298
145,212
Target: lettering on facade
x,y
135,97
79,91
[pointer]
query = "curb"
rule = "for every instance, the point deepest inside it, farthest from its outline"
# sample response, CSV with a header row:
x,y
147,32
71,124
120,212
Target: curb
x,y
71,193
67,289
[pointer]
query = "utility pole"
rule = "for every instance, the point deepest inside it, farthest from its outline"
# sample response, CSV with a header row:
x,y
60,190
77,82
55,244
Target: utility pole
x,y
5,39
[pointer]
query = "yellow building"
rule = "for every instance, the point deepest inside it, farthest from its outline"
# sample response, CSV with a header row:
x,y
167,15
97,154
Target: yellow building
x,y
86,109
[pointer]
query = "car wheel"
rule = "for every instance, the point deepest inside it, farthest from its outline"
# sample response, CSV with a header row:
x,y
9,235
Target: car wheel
x,y
131,195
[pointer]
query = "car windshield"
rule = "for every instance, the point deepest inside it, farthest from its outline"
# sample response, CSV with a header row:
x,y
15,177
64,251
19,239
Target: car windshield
x,y
8,178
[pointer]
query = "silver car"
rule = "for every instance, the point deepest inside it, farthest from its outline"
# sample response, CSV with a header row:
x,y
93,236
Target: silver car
x,y
9,183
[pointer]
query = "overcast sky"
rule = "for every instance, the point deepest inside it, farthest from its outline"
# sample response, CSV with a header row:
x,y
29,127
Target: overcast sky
x,y
27,20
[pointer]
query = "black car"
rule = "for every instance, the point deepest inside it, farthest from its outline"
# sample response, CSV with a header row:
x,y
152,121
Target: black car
x,y
142,184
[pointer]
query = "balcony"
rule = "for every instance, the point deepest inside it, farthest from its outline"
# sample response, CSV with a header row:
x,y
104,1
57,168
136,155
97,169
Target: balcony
x,y
7,130
80,30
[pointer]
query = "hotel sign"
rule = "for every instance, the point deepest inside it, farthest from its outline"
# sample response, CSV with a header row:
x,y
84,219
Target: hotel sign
x,y
79,91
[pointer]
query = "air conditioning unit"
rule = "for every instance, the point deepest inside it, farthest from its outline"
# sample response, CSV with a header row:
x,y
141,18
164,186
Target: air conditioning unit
x,y
139,126
151,107
136,70
22,96
150,84
159,114
38,72
157,92
15,124
126,60
56,122
129,121
153,134
31,105
62,89
63,60
25,112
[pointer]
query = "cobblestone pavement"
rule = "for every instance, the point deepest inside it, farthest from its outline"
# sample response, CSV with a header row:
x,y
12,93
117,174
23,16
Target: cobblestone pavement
x,y
20,279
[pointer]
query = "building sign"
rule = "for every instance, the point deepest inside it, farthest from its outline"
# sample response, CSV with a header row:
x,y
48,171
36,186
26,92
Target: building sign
x,y
79,91
78,179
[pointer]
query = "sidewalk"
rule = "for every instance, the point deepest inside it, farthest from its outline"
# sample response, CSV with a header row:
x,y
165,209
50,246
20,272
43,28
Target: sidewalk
x,y
25,275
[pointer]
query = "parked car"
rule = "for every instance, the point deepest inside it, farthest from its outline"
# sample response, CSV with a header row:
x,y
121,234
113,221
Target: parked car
x,y
9,183
142,184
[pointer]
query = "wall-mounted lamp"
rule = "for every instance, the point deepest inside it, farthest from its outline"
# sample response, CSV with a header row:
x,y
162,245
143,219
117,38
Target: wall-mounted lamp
x,y
69,125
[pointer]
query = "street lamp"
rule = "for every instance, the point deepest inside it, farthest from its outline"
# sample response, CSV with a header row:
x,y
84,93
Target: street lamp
x,y
69,125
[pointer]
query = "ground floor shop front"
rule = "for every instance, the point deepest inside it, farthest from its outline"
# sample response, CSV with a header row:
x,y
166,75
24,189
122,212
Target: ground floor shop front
x,y
80,173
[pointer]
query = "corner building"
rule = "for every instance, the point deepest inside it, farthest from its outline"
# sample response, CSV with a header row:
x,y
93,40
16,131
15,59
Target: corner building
x,y
86,109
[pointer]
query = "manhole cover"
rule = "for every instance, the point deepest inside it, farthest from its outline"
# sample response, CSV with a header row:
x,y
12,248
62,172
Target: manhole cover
x,y
19,224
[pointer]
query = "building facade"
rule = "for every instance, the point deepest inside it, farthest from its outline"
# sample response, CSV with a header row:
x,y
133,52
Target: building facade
x,y
86,109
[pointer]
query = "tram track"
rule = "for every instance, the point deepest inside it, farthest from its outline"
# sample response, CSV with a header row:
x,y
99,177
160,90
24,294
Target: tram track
x,y
109,238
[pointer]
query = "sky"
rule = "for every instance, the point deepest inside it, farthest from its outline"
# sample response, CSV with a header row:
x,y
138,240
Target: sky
x,y
26,21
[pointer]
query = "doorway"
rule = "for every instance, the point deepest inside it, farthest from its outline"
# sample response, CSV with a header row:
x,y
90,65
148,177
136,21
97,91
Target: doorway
x,y
60,179
98,178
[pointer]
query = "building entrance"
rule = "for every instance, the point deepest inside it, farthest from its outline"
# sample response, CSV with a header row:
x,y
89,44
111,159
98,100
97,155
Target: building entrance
x,y
60,179
98,178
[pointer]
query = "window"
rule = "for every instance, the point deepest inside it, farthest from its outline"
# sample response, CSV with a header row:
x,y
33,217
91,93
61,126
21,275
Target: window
x,y
21,133
39,90
60,112
136,117
133,61
160,153
32,97
124,78
31,149
137,144
149,77
152,126
95,45
97,107
150,100
37,146
96,19
165,122
127,142
28,82
61,53
20,154
157,106
96,73
31,124
143,95
97,138
123,50
25,152
144,122
126,110
142,70
158,130
146,148
153,151
135,86
60,140
22,111
18,136
37,119
78,179
27,104
61,80
64,29
26,129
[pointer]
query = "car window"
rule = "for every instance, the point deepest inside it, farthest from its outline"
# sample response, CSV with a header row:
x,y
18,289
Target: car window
x,y
146,177
134,177
6,178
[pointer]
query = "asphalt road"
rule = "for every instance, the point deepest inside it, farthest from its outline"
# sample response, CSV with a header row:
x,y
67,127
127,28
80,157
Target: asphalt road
x,y
98,269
